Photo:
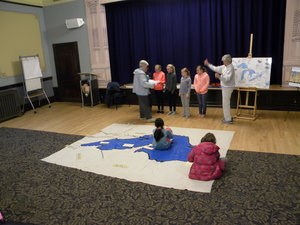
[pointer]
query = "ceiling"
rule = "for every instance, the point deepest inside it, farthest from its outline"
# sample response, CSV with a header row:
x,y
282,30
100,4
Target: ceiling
x,y
40,3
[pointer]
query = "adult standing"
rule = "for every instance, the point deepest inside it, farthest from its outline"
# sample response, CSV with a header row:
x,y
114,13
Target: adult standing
x,y
225,74
171,86
141,87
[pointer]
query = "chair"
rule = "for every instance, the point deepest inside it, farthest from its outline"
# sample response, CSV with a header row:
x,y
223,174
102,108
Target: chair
x,y
114,95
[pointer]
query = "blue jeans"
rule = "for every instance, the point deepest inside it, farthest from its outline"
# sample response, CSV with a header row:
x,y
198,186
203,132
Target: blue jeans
x,y
202,103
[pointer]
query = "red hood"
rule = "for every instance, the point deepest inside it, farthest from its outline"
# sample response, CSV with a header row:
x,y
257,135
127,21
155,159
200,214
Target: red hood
x,y
208,147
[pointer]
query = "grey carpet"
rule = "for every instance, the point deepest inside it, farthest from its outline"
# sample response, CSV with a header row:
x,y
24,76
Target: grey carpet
x,y
257,188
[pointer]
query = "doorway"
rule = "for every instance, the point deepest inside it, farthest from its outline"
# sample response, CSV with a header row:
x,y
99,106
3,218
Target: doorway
x,y
67,66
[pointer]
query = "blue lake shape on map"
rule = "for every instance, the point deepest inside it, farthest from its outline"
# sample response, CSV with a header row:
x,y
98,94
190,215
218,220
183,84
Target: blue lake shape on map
x,y
255,77
179,149
243,66
118,144
245,70
250,72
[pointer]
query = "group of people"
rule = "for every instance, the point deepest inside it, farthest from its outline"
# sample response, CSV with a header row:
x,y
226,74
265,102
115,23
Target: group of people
x,y
166,84
207,164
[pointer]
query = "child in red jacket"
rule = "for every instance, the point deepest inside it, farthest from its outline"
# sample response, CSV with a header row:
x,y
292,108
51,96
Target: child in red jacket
x,y
159,76
207,164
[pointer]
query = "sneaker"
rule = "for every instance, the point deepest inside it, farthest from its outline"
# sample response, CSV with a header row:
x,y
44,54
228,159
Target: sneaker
x,y
227,122
151,120
173,113
162,112
202,115
142,118
158,111
169,113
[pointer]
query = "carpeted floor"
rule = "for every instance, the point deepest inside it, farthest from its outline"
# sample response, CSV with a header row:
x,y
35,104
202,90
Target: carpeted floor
x,y
257,188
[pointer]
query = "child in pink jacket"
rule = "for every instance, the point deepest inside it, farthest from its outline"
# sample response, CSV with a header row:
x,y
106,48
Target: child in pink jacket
x,y
207,164
201,83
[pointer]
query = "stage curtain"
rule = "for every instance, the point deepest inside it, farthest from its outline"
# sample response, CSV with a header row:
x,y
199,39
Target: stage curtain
x,y
185,32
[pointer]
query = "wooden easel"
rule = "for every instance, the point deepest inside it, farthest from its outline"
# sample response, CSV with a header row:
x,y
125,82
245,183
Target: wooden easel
x,y
244,105
251,114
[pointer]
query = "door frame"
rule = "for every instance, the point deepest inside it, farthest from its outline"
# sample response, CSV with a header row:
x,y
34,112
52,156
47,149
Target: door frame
x,y
59,90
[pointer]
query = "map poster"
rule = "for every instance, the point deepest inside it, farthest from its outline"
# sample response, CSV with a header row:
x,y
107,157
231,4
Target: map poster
x,y
252,72
295,77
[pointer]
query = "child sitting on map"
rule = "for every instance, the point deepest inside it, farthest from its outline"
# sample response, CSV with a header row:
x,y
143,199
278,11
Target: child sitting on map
x,y
162,137
207,164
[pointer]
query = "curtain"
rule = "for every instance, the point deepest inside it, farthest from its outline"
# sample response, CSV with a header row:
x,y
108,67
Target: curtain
x,y
185,32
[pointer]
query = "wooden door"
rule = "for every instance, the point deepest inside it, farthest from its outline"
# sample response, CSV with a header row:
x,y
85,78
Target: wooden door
x,y
67,67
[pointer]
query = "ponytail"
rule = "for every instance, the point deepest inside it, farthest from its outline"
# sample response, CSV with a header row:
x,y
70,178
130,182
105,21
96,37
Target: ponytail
x,y
158,134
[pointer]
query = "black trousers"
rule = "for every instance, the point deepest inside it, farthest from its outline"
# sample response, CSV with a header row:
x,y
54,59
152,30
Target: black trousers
x,y
159,100
172,97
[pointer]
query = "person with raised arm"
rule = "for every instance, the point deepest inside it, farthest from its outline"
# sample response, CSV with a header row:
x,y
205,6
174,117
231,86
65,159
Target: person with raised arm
x,y
225,73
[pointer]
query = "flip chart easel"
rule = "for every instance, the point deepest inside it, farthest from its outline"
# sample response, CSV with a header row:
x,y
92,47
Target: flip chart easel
x,y
33,80
241,105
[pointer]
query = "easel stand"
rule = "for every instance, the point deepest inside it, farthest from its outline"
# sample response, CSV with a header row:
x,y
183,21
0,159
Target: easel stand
x,y
33,80
35,94
242,106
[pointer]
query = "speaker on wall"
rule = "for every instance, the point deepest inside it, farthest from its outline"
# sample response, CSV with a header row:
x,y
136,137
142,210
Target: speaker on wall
x,y
74,23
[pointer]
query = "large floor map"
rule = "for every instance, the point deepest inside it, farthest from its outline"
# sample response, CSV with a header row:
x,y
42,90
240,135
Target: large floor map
x,y
179,149
124,151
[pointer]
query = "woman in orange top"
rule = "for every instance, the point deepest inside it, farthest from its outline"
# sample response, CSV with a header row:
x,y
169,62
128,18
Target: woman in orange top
x,y
201,83
159,75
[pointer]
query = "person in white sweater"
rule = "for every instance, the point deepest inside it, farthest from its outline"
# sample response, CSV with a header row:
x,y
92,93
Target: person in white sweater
x,y
141,87
225,74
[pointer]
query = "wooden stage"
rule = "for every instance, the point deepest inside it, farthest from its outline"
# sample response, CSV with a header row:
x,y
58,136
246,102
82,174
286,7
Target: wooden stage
x,y
275,98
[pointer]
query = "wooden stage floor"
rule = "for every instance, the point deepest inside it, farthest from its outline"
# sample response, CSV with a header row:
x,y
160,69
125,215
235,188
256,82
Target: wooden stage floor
x,y
273,131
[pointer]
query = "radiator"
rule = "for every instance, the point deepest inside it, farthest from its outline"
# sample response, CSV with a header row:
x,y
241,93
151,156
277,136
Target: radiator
x,y
9,105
